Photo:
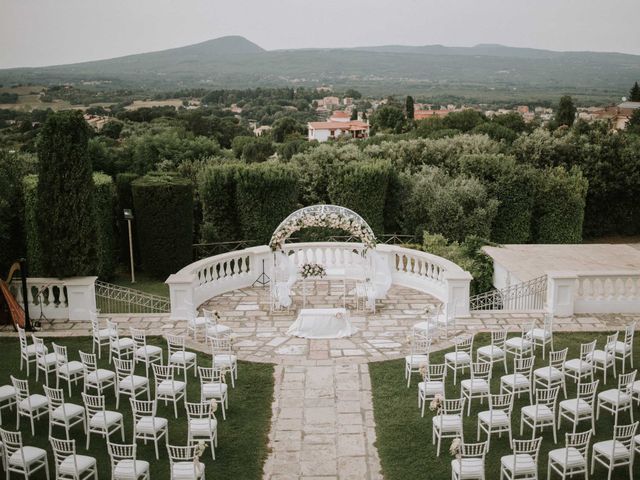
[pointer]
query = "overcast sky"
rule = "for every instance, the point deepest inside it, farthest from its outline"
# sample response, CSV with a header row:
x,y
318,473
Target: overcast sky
x,y
49,32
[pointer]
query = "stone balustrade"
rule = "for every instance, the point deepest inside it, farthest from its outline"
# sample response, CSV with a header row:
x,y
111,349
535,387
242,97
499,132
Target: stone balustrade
x,y
209,277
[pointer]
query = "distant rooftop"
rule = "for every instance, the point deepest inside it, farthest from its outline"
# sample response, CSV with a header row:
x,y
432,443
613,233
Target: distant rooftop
x,y
629,105
531,261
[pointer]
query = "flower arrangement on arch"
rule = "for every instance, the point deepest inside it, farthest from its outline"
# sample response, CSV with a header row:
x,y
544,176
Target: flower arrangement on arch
x,y
312,270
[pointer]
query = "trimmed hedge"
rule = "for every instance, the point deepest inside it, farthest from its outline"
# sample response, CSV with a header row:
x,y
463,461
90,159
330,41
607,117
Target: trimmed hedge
x,y
362,187
163,204
559,209
125,200
30,196
266,194
104,203
217,189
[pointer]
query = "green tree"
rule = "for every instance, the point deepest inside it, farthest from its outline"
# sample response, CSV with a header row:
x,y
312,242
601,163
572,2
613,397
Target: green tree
x,y
354,114
389,118
352,93
65,215
634,93
409,107
566,113
284,127
633,125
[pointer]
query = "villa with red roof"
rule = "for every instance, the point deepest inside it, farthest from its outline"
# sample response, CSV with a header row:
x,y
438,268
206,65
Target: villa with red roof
x,y
339,123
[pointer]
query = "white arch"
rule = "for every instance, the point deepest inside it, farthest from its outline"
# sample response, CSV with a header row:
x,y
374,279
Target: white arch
x,y
331,216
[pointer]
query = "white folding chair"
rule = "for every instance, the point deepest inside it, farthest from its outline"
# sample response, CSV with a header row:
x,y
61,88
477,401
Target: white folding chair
x,y
580,369
47,362
542,413
119,347
432,384
523,462
62,414
167,387
520,380
8,398
202,425
70,371
30,406
146,425
100,336
124,463
70,465
212,385
541,337
419,356
624,349
127,383
605,358
99,420
581,408
552,375
498,418
95,378
27,352
213,327
185,463
469,464
448,422
460,358
617,452
147,354
617,400
496,351
519,347
573,459
19,459
429,326
179,356
478,385
223,357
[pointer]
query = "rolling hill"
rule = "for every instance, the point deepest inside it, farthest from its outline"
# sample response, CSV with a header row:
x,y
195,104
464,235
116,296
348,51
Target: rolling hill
x,y
235,62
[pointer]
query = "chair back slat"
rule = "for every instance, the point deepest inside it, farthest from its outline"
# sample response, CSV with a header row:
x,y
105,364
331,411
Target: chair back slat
x,y
89,361
557,358
435,372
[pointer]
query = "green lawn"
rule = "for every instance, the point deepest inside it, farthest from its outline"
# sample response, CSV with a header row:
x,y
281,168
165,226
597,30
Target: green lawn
x,y
144,282
242,438
404,438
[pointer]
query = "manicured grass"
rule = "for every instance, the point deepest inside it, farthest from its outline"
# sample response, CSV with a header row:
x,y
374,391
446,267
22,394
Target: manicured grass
x,y
143,282
404,438
242,438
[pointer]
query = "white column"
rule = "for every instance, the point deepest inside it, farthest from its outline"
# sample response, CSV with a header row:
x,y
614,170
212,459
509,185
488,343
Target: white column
x,y
81,293
561,293
457,291
181,293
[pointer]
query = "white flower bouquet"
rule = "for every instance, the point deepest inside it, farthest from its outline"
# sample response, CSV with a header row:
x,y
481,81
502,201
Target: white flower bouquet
x,y
312,270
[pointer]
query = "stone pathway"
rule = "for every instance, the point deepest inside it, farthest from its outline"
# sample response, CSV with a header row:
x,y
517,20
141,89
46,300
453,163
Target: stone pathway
x,y
322,426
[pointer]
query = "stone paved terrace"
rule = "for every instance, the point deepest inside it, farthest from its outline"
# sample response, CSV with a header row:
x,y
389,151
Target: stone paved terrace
x,y
323,426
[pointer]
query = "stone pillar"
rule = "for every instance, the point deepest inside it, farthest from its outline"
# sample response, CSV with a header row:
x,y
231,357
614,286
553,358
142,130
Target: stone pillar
x,y
457,290
181,293
561,292
81,293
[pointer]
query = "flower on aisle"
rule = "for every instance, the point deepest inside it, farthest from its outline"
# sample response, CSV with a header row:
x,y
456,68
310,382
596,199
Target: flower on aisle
x,y
454,449
200,448
214,406
423,370
436,403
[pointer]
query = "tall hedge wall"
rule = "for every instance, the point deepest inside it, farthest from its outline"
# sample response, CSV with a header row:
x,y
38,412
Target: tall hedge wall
x,y
30,195
104,202
362,187
266,194
217,189
163,211
559,209
125,200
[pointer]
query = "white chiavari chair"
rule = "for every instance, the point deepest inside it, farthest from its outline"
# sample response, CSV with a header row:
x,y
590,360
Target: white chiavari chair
x,y
605,358
101,421
27,352
184,463
617,452
581,408
70,465
523,462
573,459
128,383
519,347
99,336
223,357
71,372
125,464
542,413
31,406
461,357
496,351
95,378
520,380
47,362
147,425
179,356
478,385
212,385
63,414
147,354
498,418
20,459
448,422
553,374
119,347
432,384
580,369
624,349
167,387
8,398
203,424
469,464
541,337
617,400
419,356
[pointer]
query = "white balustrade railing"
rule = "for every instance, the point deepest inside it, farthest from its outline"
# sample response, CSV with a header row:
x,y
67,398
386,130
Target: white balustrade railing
x,y
608,292
209,277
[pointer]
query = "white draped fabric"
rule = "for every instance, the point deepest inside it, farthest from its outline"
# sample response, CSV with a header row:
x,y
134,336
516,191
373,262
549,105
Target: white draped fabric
x,y
285,276
322,323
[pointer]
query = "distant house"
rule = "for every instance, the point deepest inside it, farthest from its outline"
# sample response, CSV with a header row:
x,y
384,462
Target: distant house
x,y
331,101
339,123
618,115
259,131
422,114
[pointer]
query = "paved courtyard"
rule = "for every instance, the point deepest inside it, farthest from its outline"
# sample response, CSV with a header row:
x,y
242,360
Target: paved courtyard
x,y
323,426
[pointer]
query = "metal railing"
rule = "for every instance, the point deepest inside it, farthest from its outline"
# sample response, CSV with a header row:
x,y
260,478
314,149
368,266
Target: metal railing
x,y
529,295
204,250
387,239
112,298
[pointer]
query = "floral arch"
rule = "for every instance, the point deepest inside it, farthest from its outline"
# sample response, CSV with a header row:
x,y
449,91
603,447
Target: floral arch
x,y
330,216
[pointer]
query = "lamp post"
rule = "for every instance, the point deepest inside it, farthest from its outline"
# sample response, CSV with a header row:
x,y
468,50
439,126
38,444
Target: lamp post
x,y
128,216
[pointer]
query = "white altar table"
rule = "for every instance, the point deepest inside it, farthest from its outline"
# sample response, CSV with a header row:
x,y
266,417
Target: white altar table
x,y
322,323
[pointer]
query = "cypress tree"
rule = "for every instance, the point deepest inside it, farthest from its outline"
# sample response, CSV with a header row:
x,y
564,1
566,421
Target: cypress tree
x,y
634,93
408,107
64,214
566,111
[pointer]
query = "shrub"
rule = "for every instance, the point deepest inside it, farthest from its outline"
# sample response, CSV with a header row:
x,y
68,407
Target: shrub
x,y
217,189
163,205
362,187
559,207
64,213
266,194
104,201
